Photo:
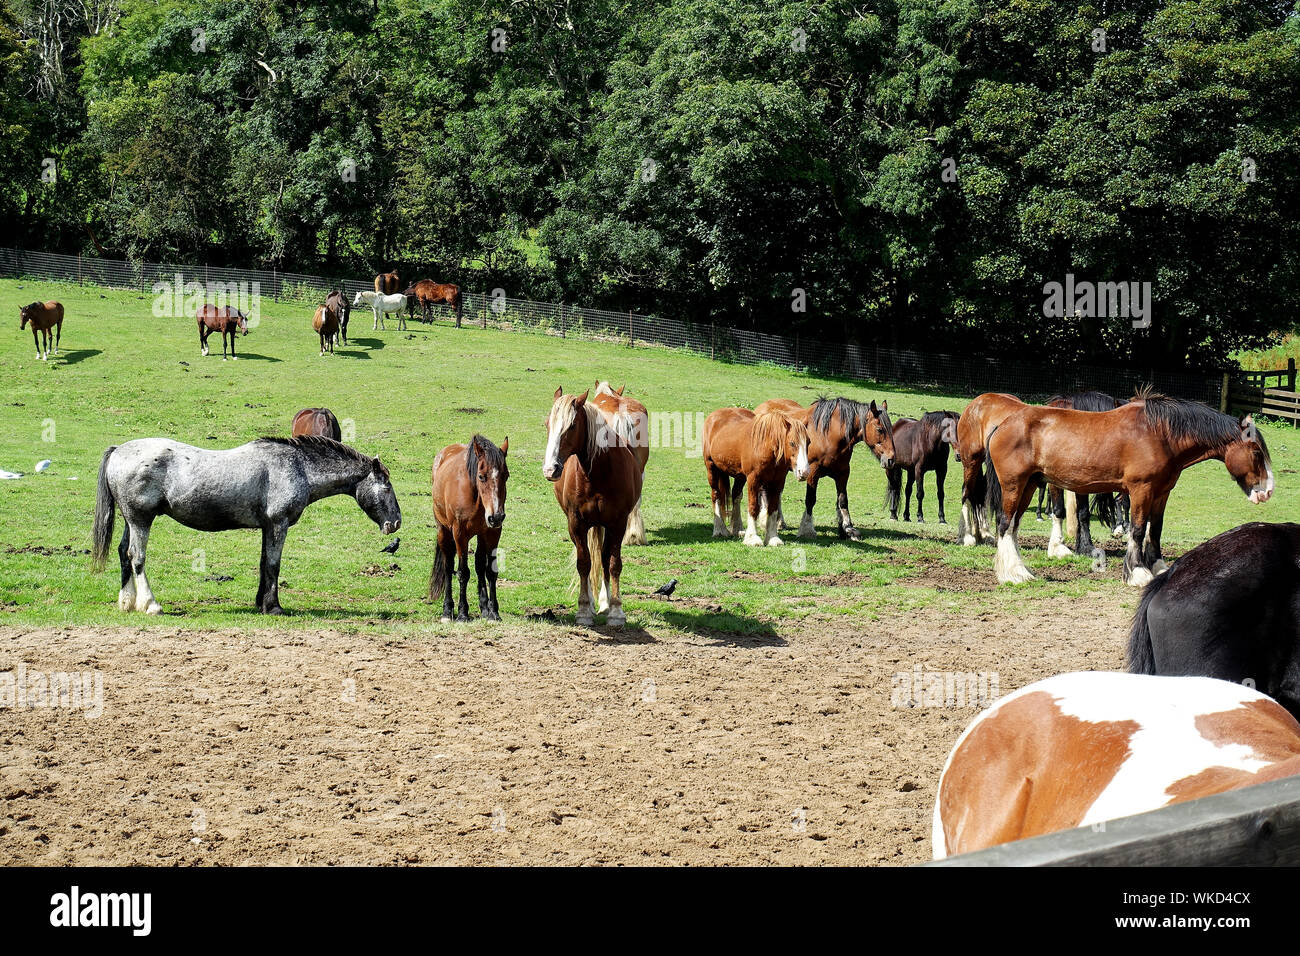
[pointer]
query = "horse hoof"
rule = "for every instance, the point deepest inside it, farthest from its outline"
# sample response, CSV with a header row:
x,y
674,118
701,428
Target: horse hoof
x,y
1020,575
275,610
1059,550
462,618
616,619
753,540
153,608
491,616
1139,578
774,542
126,602
584,620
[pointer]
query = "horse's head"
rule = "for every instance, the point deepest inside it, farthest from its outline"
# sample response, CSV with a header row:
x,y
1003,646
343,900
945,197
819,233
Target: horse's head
x,y
878,433
242,320
488,472
784,437
359,298
27,313
375,495
566,432
1249,463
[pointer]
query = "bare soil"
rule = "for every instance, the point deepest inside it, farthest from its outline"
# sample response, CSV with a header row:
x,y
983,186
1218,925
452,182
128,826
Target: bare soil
x,y
530,742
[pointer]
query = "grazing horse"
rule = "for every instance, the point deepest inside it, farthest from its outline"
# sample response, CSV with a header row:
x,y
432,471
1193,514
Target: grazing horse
x,y
597,485
469,501
1228,608
386,283
1080,749
1140,448
429,293
224,319
835,425
920,446
381,305
266,484
980,417
337,301
326,323
43,317
316,421
760,450
627,422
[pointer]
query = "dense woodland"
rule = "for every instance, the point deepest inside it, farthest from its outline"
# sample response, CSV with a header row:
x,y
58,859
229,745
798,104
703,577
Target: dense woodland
x,y
919,168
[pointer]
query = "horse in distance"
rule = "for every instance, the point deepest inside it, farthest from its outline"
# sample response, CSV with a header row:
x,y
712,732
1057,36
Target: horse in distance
x,y
326,324
316,421
43,316
428,293
387,283
220,318
337,301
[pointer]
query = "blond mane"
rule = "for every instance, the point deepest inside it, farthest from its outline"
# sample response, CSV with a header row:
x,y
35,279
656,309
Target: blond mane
x,y
564,413
772,429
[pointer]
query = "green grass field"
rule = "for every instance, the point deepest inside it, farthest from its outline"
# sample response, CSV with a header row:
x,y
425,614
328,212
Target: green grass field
x,y
125,374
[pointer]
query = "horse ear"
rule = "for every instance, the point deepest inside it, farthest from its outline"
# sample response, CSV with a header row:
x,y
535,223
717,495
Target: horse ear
x,y
874,409
581,399
619,393
505,446
558,392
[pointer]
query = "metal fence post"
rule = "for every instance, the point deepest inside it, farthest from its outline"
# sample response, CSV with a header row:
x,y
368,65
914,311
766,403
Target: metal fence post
x,y
563,332
631,342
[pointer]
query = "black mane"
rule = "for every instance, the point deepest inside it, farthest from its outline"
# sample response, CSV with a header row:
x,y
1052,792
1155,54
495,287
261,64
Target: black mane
x,y
491,454
1180,418
1086,401
854,414
320,445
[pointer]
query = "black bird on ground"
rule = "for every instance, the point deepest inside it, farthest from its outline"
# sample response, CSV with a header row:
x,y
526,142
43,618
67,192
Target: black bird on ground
x,y
667,589
391,548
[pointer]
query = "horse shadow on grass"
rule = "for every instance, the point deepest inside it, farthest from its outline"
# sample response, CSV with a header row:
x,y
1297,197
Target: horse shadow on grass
x,y
701,533
722,627
80,355
373,345
255,357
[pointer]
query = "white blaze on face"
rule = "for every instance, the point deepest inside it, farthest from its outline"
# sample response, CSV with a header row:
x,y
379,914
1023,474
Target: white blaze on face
x,y
801,461
492,505
551,464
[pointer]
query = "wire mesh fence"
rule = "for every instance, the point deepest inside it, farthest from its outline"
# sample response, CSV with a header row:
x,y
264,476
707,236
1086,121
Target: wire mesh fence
x,y
954,374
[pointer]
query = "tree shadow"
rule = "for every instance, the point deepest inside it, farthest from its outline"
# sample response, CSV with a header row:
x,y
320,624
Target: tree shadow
x,y
72,358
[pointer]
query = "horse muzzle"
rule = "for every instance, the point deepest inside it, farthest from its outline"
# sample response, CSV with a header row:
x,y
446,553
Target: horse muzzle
x,y
496,520
1258,497
391,526
886,461
551,472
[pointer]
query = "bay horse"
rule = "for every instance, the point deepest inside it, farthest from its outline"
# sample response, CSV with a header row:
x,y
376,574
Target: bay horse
x,y
43,316
758,450
316,421
469,501
626,422
1228,608
429,293
979,418
1084,748
386,283
920,446
326,323
596,485
1140,448
381,305
337,301
225,319
835,426
266,484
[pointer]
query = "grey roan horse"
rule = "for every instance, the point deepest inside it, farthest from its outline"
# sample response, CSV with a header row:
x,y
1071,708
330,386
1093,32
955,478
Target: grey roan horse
x,y
266,484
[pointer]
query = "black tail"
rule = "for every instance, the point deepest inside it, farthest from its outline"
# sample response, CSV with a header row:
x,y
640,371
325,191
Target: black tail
x,y
1141,655
105,511
439,576
893,488
993,491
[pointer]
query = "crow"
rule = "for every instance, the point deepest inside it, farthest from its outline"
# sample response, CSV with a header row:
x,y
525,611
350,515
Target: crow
x,y
667,589
391,548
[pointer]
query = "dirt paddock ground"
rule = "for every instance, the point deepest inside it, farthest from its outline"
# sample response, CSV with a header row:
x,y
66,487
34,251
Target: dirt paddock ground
x,y
535,743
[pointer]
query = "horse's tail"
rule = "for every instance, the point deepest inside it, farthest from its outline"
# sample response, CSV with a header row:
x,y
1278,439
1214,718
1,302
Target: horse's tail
x,y
105,511
993,489
893,485
439,576
596,545
1141,655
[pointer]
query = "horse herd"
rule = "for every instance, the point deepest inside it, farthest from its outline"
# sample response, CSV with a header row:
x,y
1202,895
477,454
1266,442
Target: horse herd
x,y
1211,700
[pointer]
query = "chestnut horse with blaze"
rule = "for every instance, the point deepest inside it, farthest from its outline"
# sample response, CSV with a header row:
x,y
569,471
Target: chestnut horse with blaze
x,y
469,501
326,323
628,423
1081,749
1140,448
985,413
43,317
835,425
597,484
758,450
316,421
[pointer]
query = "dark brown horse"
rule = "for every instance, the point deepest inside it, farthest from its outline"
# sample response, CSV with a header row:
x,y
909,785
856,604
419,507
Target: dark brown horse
x,y
43,316
386,283
337,301
597,484
835,425
1140,448
326,323
469,501
224,319
429,293
316,421
920,446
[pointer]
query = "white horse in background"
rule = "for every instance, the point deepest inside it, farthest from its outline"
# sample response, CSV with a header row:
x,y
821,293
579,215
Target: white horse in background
x,y
381,304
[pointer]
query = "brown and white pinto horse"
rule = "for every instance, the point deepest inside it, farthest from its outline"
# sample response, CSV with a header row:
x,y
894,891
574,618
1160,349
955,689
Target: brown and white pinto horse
x,y
1140,448
759,450
980,417
224,319
43,316
469,501
386,283
835,425
597,484
326,323
1080,749
628,423
429,293
316,421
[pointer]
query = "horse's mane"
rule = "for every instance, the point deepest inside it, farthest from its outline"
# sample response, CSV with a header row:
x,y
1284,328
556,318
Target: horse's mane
x,y
1179,418
325,448
564,406
853,413
604,388
491,454
771,428
1086,401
